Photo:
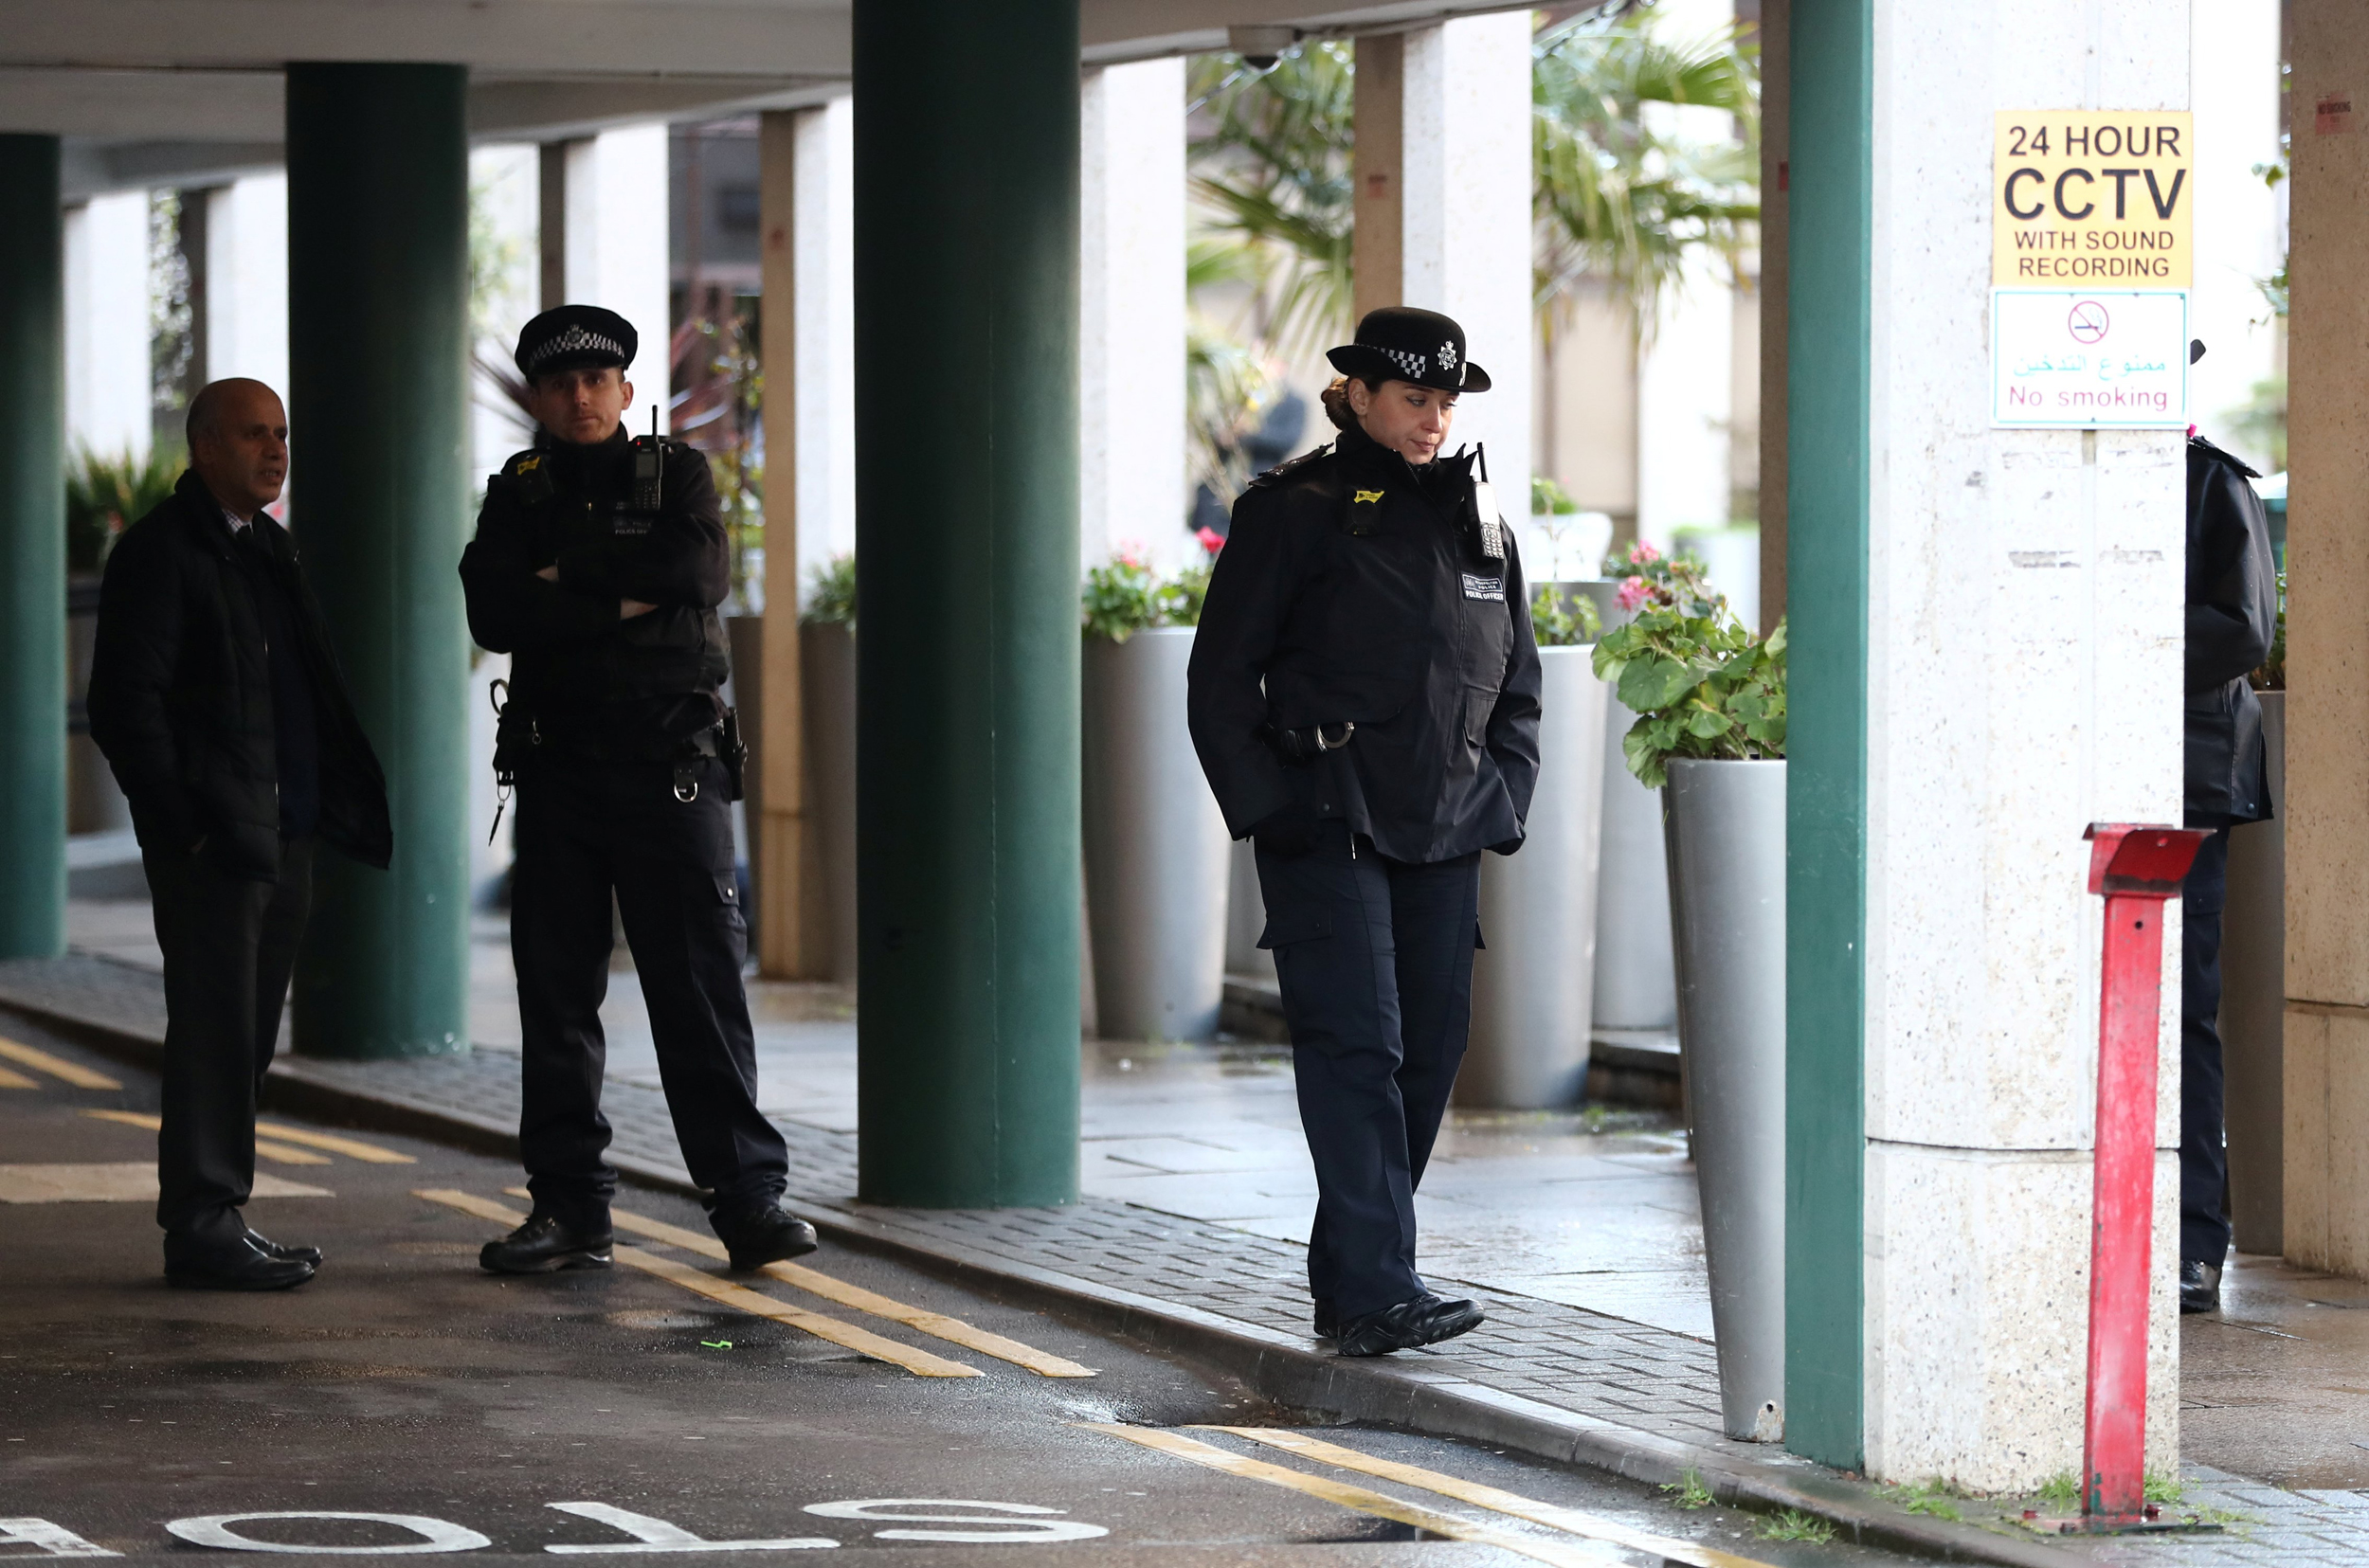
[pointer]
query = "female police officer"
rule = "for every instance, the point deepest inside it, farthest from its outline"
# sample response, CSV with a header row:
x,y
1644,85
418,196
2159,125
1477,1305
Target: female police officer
x,y
1365,701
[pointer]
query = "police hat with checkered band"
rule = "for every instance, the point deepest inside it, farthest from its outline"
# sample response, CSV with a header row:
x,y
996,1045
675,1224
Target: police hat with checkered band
x,y
1400,343
575,337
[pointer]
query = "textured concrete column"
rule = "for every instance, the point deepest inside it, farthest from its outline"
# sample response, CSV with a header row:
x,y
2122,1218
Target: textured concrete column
x,y
1131,313
966,467
1379,107
615,246
2021,677
32,551
246,284
106,325
378,210
2328,625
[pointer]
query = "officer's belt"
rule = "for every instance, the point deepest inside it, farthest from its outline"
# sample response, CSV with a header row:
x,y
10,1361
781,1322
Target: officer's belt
x,y
1301,747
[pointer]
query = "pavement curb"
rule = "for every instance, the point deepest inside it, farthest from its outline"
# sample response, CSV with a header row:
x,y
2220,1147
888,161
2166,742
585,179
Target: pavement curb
x,y
1288,1369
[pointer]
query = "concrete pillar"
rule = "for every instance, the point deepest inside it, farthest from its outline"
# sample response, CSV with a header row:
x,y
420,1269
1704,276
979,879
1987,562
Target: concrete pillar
x,y
1131,313
246,284
378,213
32,551
1995,662
966,253
2234,71
1776,39
2327,620
1684,402
106,325
1378,239
615,246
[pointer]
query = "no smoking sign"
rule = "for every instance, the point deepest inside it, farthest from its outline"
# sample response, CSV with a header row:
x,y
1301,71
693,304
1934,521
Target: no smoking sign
x,y
2087,321
2090,361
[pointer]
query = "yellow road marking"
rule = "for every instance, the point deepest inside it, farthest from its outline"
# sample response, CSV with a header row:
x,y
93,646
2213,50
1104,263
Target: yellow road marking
x,y
281,1154
352,1148
1178,1446
57,1067
919,1362
11,1079
1594,1526
936,1325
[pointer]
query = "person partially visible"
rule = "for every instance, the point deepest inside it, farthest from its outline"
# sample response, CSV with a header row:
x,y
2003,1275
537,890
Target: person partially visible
x,y
219,704
2233,617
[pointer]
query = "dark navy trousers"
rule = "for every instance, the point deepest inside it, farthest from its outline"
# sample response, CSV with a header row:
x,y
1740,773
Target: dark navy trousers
x,y
2203,1154
1375,960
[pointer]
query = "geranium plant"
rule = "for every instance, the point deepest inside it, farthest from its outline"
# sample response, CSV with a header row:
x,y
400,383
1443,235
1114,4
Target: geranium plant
x,y
1702,686
1127,596
1651,578
1560,623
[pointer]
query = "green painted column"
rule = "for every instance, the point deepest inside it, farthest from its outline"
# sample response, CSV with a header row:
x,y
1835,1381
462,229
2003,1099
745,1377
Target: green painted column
x,y
967,657
378,218
1826,596
32,551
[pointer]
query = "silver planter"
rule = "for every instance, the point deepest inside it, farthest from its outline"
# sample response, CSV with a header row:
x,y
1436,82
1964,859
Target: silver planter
x,y
1727,848
1246,917
1156,846
2253,1009
827,672
1532,985
1635,975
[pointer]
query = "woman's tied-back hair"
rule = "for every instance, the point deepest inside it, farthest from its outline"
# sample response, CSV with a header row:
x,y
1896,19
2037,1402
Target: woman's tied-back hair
x,y
1336,401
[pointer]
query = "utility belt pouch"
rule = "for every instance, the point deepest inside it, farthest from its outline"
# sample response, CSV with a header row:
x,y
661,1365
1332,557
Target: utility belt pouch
x,y
1299,748
733,751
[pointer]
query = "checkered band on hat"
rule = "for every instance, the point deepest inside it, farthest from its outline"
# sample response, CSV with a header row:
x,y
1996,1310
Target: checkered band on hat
x,y
1405,359
576,340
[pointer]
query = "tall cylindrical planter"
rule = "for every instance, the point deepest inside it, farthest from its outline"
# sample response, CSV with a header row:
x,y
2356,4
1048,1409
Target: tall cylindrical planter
x,y
1532,985
1156,846
1636,979
826,674
2253,1009
1246,916
1727,848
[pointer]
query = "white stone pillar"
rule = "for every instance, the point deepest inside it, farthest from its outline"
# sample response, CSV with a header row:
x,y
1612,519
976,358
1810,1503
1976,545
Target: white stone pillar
x,y
1685,404
616,248
247,280
1131,487
825,240
106,326
1466,244
2024,635
2235,76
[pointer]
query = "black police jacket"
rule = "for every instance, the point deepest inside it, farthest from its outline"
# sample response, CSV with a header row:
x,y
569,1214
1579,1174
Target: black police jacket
x,y
576,666
1353,588
2233,616
180,696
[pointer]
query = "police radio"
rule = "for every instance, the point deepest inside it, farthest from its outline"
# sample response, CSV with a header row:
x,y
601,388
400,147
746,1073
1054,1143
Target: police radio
x,y
649,467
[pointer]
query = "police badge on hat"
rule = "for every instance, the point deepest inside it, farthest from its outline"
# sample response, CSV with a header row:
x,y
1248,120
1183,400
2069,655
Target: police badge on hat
x,y
1400,343
575,337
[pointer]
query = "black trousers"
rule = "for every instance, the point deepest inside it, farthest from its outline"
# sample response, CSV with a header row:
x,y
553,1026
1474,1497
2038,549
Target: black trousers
x,y
1375,960
229,947
2203,1155
586,830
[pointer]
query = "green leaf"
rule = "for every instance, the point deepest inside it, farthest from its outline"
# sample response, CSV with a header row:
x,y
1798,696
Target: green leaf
x,y
1652,683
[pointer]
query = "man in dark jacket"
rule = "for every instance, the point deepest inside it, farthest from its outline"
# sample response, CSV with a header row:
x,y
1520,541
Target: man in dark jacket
x,y
2233,616
598,565
1363,695
218,703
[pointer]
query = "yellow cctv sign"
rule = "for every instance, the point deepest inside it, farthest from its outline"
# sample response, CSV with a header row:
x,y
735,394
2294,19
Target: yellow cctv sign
x,y
2092,199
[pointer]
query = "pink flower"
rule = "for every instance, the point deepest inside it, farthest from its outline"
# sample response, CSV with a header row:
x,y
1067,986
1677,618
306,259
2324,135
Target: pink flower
x,y
1210,539
1642,554
1633,592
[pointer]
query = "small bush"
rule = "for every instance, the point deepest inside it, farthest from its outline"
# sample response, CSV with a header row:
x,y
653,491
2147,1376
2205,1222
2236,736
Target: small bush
x,y
831,593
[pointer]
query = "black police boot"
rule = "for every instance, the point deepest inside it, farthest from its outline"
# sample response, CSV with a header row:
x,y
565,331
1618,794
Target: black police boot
x,y
237,1264
760,1232
298,1255
545,1245
2200,1287
1426,1319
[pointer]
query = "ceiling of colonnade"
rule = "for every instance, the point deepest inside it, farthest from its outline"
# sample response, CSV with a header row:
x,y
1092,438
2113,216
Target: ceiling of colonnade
x,y
150,90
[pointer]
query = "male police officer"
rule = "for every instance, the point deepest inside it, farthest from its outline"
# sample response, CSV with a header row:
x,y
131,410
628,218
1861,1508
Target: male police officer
x,y
598,565
1364,697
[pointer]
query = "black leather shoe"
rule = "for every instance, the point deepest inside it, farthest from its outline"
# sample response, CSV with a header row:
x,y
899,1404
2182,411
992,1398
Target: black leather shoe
x,y
236,1264
1426,1319
758,1234
294,1254
545,1246
2200,1287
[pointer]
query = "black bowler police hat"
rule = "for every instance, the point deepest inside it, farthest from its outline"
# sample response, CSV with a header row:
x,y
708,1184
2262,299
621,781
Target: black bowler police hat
x,y
1400,343
575,337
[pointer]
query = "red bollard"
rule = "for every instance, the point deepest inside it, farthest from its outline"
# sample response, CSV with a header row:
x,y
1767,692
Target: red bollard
x,y
2137,868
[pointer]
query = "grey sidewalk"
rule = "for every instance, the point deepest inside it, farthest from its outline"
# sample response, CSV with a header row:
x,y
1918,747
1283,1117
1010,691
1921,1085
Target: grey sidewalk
x,y
1196,1198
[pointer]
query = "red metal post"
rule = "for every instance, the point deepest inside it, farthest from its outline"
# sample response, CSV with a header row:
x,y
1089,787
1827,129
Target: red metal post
x,y
2139,868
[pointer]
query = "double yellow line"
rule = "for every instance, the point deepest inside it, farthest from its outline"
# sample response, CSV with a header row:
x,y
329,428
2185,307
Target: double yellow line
x,y
278,1142
741,1298
58,1067
1603,1537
